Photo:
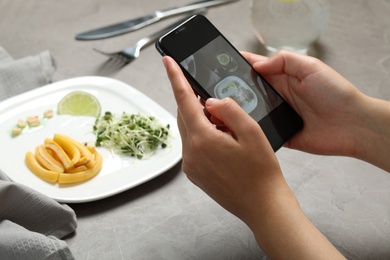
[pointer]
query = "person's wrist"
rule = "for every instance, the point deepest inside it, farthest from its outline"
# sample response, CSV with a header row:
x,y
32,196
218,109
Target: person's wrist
x,y
283,231
273,203
274,220
372,138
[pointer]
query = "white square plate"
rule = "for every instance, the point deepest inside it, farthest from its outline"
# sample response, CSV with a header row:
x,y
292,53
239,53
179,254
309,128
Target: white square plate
x,y
119,173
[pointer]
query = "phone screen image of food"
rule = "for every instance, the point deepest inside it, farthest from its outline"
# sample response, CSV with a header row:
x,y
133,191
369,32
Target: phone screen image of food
x,y
224,73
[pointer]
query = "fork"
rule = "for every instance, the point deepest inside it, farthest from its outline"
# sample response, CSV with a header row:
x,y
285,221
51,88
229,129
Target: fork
x,y
127,55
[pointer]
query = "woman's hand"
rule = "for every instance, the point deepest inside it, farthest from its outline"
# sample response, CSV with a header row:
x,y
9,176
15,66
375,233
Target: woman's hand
x,y
338,118
329,104
225,152
227,155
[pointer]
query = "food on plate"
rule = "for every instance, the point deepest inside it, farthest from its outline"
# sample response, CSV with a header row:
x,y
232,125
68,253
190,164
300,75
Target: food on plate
x,y
243,96
45,157
31,121
238,90
131,134
16,131
64,160
79,103
21,123
48,113
59,153
40,171
223,59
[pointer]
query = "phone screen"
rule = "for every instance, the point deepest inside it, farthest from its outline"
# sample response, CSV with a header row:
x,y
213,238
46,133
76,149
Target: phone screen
x,y
222,72
216,69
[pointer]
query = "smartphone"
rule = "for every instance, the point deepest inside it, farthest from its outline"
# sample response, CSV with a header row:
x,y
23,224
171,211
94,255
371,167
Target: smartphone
x,y
216,69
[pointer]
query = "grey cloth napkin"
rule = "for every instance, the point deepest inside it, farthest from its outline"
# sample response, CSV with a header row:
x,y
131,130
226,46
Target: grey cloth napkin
x,y
31,224
17,76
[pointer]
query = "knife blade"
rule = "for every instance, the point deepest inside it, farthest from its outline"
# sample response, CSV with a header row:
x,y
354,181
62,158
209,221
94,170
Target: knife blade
x,y
138,23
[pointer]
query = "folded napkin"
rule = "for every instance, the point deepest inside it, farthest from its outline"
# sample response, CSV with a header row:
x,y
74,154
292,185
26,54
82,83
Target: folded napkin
x,y
31,224
17,76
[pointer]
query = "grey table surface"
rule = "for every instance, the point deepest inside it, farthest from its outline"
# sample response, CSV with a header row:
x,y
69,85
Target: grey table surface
x,y
168,217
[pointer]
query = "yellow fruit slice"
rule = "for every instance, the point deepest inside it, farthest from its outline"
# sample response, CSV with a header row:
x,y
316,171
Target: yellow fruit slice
x,y
61,154
69,148
38,170
77,169
91,163
65,178
83,160
64,160
84,151
45,159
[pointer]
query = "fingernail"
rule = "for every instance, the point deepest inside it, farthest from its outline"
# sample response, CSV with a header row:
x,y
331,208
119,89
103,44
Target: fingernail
x,y
211,101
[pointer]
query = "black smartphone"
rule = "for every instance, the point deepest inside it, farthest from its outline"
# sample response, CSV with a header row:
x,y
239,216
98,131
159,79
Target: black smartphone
x,y
215,68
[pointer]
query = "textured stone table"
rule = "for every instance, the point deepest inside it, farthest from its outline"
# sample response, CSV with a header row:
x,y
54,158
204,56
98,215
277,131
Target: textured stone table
x,y
168,217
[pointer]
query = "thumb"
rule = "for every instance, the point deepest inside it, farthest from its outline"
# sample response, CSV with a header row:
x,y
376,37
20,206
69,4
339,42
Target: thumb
x,y
233,117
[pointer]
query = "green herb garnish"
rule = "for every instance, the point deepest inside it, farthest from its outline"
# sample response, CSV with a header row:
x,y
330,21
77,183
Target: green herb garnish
x,y
130,134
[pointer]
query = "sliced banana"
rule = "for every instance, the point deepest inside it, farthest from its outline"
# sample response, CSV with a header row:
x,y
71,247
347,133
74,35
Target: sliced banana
x,y
64,160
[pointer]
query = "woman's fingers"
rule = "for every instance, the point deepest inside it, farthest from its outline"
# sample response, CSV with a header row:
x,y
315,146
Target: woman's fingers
x,y
190,109
252,58
239,123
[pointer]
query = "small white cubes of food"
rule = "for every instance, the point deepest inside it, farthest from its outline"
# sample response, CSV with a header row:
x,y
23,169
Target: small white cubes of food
x,y
21,123
31,121
16,131
48,113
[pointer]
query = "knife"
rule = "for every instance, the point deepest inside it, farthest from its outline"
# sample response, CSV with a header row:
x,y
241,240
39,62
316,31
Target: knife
x,y
138,23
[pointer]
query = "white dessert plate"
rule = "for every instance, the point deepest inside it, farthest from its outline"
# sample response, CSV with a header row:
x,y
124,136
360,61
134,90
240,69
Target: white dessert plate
x,y
119,173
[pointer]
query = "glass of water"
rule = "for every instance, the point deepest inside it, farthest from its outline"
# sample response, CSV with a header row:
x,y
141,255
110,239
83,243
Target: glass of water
x,y
289,24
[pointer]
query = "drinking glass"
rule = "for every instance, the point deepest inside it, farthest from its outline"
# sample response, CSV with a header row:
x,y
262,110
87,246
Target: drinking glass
x,y
289,24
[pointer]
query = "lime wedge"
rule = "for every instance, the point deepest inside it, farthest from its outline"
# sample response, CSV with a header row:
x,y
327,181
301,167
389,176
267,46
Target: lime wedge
x,y
223,59
79,103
